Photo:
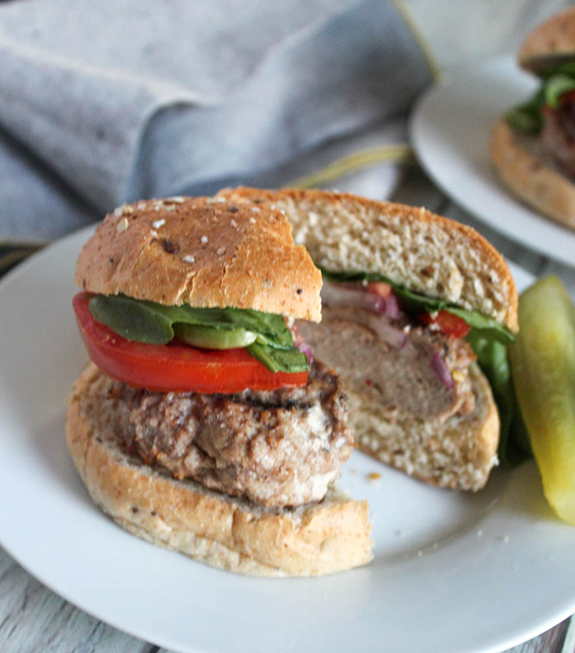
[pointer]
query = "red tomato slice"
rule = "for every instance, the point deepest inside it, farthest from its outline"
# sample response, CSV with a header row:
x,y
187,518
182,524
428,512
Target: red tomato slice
x,y
451,325
379,288
175,367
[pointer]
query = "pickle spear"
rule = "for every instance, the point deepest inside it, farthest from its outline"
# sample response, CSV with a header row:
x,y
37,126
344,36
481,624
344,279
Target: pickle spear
x,y
543,370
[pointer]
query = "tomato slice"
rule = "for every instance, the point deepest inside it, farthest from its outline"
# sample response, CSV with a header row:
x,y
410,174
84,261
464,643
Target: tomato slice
x,y
379,288
451,325
175,367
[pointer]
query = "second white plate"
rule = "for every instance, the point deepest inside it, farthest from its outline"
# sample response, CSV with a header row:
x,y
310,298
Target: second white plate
x,y
450,130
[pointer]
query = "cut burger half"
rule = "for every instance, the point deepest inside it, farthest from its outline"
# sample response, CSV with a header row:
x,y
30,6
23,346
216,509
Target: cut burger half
x,y
417,314
200,424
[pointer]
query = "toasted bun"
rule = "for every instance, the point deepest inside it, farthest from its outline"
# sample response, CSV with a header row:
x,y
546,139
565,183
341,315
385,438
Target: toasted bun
x,y
550,43
531,175
411,246
236,535
202,252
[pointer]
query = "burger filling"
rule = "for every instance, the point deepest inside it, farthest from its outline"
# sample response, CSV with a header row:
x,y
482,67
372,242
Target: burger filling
x,y
550,114
276,448
411,354
424,372
220,396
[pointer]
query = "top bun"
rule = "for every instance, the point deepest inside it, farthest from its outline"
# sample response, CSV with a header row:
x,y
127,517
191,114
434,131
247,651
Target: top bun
x,y
410,246
204,252
550,43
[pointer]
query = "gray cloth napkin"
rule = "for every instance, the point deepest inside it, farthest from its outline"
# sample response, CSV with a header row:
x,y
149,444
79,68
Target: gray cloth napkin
x,y
104,102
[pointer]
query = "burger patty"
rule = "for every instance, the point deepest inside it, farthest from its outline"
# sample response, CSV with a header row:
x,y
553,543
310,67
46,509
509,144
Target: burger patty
x,y
403,379
276,448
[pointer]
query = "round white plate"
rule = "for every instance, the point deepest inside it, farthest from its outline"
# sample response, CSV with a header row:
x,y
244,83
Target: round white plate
x,y
451,571
450,131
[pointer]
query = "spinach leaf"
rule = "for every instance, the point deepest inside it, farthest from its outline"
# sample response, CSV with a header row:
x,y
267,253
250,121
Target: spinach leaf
x,y
493,360
527,118
488,326
145,321
152,323
416,303
559,68
279,360
556,87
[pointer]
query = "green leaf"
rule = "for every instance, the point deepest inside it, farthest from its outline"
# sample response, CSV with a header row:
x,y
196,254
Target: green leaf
x,y
415,303
279,360
560,68
133,320
152,323
556,87
488,326
493,360
527,118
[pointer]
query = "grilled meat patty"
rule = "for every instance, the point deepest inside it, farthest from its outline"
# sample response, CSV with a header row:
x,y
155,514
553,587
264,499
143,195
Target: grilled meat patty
x,y
277,448
400,378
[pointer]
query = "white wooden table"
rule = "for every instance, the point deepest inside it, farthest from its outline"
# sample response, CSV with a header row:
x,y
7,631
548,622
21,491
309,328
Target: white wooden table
x,y
34,619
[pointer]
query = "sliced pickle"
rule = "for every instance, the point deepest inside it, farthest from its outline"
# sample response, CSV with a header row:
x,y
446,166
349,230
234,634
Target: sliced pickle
x,y
209,338
543,368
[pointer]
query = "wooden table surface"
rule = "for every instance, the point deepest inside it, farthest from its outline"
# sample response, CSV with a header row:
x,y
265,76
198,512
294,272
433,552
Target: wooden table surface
x,y
32,618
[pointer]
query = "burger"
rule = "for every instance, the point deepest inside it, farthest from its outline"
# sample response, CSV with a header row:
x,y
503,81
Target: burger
x,y
533,146
202,422
418,312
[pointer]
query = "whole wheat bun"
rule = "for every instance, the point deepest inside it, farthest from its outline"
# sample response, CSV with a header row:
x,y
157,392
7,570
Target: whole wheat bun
x,y
550,43
316,539
428,254
411,246
531,175
202,252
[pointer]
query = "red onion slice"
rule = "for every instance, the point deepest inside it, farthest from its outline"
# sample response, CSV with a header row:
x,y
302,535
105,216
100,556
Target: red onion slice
x,y
348,294
300,343
393,335
305,348
442,372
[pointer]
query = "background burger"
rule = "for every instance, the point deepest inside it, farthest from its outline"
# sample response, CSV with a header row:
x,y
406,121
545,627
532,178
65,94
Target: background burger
x,y
533,146
418,312
199,425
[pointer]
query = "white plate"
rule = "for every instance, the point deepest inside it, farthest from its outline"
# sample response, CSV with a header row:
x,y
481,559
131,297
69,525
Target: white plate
x,y
451,572
450,131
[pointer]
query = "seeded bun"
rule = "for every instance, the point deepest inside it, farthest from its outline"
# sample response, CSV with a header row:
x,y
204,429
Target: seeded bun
x,y
411,246
231,534
202,252
531,175
551,43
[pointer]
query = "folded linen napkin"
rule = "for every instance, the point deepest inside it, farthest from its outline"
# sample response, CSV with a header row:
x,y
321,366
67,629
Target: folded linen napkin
x,y
102,103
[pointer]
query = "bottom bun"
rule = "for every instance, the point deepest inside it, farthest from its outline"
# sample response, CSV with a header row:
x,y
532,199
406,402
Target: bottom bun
x,y
457,454
531,175
228,533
